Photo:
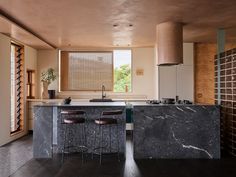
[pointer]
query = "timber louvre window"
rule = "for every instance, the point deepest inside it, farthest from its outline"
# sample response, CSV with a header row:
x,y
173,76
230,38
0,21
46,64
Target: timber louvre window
x,y
17,87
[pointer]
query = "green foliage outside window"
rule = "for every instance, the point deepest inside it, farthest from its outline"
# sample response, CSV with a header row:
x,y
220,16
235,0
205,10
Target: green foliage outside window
x,y
122,78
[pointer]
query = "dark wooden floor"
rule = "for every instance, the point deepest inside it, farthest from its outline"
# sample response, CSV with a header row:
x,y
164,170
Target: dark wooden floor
x,y
15,155
17,164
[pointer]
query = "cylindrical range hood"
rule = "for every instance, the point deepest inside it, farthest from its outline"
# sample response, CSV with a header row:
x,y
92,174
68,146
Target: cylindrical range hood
x,y
169,43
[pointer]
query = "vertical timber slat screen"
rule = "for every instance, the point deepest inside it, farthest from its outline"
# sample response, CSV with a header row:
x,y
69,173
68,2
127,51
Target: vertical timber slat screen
x,y
228,99
86,71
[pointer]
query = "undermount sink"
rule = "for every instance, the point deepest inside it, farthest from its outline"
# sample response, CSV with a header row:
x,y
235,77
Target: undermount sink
x,y
101,100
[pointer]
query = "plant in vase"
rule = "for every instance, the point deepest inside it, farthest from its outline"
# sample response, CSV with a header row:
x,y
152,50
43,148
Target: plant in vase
x,y
47,78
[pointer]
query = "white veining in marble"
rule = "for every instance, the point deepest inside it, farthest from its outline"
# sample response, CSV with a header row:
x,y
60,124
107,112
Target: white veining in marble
x,y
159,117
191,109
148,117
190,146
179,109
195,133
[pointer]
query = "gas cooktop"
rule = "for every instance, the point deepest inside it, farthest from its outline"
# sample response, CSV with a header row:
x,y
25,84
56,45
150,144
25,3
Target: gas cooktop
x,y
170,102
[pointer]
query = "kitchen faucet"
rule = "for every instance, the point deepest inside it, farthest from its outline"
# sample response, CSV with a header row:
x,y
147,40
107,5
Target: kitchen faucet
x,y
103,92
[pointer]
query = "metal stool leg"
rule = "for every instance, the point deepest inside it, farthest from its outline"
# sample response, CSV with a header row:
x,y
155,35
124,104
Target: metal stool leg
x,y
118,145
110,137
81,143
85,138
84,144
94,143
64,144
69,139
100,142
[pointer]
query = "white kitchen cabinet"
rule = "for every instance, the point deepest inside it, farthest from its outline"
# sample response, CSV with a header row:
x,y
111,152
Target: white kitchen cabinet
x,y
167,82
178,80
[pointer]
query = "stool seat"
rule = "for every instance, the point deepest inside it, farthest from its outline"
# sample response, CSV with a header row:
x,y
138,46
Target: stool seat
x,y
74,120
113,112
72,112
105,121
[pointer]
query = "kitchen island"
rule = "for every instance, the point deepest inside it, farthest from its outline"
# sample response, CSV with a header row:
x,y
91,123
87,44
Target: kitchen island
x,y
161,131
48,130
175,131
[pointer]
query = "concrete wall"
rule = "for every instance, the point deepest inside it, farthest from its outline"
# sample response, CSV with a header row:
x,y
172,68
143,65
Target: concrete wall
x,y
47,59
143,58
5,93
142,86
156,83
31,64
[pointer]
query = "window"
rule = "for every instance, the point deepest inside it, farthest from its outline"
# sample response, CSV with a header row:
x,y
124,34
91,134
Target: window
x,y
17,89
122,70
88,71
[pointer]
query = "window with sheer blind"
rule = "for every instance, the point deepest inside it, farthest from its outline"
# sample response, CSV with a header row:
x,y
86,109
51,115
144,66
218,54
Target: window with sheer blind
x,y
86,71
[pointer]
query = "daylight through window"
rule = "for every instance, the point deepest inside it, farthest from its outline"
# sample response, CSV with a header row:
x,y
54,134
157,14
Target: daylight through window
x,y
88,71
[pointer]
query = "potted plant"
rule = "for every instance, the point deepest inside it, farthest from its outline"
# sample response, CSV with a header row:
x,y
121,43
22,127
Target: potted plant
x,y
47,78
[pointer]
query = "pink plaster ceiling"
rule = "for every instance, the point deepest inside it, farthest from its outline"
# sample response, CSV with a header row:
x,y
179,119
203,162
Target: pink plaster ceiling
x,y
21,35
89,23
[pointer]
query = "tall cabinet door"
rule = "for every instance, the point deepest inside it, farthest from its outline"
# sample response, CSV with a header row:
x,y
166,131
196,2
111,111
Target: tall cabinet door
x,y
185,82
176,80
167,82
179,79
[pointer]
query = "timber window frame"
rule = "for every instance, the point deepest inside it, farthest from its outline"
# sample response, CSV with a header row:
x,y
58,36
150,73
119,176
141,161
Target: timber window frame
x,y
17,88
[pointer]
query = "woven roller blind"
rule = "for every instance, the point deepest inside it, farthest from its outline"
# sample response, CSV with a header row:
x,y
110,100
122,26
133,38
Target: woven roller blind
x,y
86,71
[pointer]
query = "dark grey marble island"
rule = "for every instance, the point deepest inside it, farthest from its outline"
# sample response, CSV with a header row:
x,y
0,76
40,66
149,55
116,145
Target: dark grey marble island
x,y
176,131
48,130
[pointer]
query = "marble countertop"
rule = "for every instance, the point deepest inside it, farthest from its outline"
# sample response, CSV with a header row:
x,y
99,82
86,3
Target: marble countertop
x,y
114,103
74,103
146,104
87,100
